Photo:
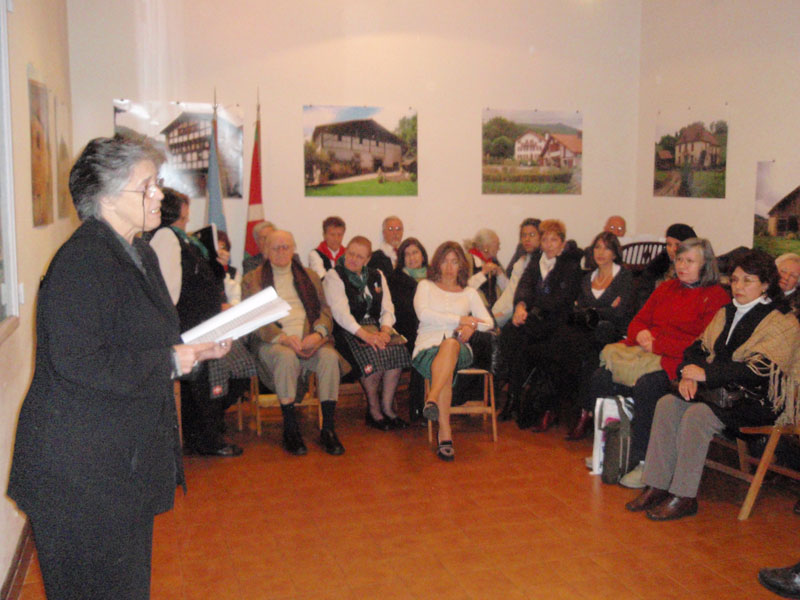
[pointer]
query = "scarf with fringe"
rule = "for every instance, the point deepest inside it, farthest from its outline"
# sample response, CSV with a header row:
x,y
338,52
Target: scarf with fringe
x,y
773,350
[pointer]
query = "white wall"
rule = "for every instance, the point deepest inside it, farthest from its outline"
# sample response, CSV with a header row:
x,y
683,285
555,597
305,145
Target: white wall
x,y
739,52
37,44
449,59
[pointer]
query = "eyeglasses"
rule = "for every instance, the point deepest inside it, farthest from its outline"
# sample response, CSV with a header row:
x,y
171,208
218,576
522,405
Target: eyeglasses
x,y
149,191
281,248
399,228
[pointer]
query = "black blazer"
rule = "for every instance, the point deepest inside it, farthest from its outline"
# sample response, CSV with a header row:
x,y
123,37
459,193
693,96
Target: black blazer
x,y
379,260
552,298
621,287
724,370
99,417
403,287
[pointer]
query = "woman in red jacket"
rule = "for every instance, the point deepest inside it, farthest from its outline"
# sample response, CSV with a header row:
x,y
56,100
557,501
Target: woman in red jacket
x,y
671,319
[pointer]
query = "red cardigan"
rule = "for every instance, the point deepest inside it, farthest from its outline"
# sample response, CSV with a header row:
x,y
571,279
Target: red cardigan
x,y
676,315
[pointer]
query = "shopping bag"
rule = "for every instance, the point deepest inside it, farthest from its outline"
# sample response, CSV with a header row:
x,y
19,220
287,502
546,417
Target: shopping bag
x,y
605,410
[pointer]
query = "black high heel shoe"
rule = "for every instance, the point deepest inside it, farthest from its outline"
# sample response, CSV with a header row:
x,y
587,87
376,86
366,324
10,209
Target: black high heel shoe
x,y
379,424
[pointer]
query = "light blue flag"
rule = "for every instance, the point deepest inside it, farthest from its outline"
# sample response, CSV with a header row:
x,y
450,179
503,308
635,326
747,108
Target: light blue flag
x,y
214,187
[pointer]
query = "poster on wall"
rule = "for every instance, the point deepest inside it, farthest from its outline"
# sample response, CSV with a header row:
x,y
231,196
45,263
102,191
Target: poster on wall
x,y
41,154
690,155
182,130
777,207
360,151
64,158
532,151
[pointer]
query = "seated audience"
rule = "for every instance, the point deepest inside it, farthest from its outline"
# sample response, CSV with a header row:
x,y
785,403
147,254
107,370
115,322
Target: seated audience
x,y
528,244
543,301
789,271
195,284
363,313
662,267
449,313
330,249
603,310
645,364
737,353
260,234
486,274
615,225
299,342
385,257
412,267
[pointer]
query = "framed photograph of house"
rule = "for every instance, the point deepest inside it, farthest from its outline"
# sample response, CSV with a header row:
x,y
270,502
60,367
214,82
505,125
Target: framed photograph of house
x,y
532,151
63,158
359,151
776,219
182,130
690,154
41,154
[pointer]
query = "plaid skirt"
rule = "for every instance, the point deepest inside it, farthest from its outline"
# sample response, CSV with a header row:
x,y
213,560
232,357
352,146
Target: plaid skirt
x,y
236,364
367,360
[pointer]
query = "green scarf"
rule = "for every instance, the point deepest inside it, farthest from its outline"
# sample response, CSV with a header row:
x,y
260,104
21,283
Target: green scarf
x,y
201,247
418,274
359,281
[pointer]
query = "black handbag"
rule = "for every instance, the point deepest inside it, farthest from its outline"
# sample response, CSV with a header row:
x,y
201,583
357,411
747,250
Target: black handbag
x,y
726,396
485,350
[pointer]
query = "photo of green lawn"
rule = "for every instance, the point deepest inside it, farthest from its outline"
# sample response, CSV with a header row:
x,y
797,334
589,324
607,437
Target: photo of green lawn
x,y
531,152
359,151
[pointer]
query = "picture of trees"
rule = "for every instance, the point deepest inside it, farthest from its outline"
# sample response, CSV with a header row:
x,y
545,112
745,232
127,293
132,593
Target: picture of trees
x,y
359,151
690,159
532,152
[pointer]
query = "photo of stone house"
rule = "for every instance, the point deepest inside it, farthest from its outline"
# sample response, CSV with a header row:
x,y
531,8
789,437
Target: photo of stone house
x,y
363,142
697,147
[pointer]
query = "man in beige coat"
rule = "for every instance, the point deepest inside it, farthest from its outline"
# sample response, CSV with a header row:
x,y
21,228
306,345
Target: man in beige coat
x,y
297,343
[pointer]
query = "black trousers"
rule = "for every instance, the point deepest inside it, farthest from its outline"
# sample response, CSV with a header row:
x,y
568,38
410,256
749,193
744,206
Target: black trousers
x,y
646,394
94,546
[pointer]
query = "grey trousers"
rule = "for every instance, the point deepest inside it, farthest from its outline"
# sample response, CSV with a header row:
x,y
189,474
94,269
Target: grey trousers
x,y
678,445
285,367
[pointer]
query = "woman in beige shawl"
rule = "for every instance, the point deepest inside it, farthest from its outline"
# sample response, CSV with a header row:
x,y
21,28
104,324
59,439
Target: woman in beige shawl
x,y
751,344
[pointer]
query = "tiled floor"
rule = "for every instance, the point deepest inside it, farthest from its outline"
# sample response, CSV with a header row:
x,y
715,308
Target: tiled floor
x,y
521,518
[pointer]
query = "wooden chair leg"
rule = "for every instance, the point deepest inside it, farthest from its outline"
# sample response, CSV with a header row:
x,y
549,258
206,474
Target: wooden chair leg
x,y
430,423
176,389
490,379
744,454
758,478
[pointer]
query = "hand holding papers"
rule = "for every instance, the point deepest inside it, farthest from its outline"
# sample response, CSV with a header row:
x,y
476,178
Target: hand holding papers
x,y
258,310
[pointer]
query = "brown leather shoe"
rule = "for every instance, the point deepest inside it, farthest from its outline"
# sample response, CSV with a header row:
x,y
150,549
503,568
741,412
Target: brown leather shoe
x,y
673,508
649,498
547,421
585,422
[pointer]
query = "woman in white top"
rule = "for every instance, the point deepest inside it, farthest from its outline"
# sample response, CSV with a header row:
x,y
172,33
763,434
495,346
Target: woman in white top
x,y
363,316
449,313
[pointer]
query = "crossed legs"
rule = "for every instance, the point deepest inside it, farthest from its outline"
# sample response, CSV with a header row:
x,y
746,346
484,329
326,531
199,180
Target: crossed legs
x,y
441,391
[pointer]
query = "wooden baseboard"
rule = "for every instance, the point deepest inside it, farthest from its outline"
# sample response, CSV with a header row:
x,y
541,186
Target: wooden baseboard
x,y
12,586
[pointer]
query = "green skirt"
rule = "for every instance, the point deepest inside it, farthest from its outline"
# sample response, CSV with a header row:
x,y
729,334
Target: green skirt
x,y
422,362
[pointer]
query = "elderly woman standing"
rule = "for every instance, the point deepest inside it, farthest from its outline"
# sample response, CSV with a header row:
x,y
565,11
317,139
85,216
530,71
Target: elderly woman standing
x,y
449,313
744,346
97,453
363,313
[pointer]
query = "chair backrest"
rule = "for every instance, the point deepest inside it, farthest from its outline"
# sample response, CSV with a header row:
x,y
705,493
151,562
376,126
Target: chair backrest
x,y
636,255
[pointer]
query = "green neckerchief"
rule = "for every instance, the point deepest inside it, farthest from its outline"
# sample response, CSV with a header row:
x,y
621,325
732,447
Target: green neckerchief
x,y
418,274
201,247
359,281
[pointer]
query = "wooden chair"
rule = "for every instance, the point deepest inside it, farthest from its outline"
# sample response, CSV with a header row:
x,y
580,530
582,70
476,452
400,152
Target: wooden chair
x,y
260,401
485,406
636,255
765,463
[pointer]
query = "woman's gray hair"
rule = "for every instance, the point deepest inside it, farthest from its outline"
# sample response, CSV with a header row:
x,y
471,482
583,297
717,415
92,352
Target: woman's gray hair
x,y
483,237
103,169
709,272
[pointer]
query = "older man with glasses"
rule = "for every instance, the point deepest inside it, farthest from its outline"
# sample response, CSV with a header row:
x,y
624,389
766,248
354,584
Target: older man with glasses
x,y
385,257
297,343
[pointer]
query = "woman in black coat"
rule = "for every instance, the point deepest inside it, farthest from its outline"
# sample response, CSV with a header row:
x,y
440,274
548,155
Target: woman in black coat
x,y
97,453
412,266
543,302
